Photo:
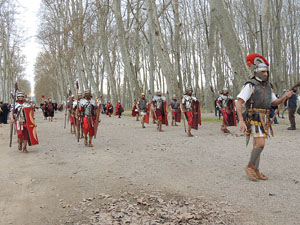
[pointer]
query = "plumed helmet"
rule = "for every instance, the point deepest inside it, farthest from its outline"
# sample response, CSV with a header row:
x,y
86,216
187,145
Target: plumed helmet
x,y
143,94
257,62
20,94
174,95
158,92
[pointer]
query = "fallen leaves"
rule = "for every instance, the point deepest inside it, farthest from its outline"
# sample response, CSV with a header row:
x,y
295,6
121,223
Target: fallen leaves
x,y
150,208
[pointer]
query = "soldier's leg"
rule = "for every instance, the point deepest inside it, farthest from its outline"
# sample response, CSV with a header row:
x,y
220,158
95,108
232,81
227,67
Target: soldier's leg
x,y
252,168
25,146
20,141
189,131
143,121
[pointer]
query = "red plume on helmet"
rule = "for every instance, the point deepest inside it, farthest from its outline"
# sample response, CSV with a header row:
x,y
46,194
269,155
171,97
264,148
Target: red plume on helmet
x,y
253,57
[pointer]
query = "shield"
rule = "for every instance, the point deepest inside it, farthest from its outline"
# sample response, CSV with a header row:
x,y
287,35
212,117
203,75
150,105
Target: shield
x,y
31,127
97,120
165,114
178,115
147,116
196,115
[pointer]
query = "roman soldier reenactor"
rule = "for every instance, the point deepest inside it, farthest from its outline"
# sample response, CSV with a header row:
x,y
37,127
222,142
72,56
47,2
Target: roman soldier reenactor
x,y
50,109
78,116
135,110
175,107
225,103
109,109
71,114
258,96
159,106
88,108
22,116
191,108
142,107
119,109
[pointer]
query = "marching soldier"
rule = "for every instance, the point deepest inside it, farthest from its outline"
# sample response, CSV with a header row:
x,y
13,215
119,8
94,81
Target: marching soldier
x,y
191,108
88,107
71,114
225,103
78,117
22,116
160,108
142,109
175,107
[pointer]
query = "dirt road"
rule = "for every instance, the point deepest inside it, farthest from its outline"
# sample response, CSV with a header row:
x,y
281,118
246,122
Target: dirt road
x,y
61,181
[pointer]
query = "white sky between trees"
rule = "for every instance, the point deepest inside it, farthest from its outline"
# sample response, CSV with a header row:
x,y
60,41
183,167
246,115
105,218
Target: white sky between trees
x,y
28,21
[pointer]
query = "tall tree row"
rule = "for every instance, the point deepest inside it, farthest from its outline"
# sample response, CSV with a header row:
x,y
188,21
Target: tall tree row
x,y
11,59
120,48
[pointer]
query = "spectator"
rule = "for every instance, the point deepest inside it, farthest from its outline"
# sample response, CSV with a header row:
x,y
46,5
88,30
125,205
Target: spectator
x,y
292,106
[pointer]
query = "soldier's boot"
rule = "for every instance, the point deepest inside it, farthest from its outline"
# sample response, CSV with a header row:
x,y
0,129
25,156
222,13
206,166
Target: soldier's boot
x,y
85,140
250,171
20,144
260,175
224,129
90,141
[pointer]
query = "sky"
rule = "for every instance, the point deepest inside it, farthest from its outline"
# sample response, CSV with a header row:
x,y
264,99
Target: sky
x,y
28,20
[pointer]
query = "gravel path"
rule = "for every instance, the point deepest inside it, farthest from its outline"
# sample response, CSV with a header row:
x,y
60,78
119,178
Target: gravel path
x,y
47,184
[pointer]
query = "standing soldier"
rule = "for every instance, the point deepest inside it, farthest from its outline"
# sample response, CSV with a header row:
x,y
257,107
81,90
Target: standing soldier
x,y
22,116
258,96
175,107
142,108
119,109
135,110
160,109
225,104
50,109
71,114
109,109
191,108
88,106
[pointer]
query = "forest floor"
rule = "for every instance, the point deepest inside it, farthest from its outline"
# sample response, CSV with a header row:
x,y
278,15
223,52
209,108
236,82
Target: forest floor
x,y
142,176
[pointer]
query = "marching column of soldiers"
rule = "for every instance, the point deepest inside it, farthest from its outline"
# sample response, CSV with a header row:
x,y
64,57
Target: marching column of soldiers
x,y
83,113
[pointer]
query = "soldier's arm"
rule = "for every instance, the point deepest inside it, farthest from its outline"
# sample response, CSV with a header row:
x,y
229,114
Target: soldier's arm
x,y
243,126
287,95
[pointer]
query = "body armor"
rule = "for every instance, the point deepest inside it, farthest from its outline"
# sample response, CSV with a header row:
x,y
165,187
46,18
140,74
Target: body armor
x,y
158,101
143,104
261,98
175,104
187,102
19,114
88,107
258,106
224,100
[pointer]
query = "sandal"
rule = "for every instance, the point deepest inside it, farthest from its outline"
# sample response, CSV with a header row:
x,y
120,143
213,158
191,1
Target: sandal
x,y
250,171
260,175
